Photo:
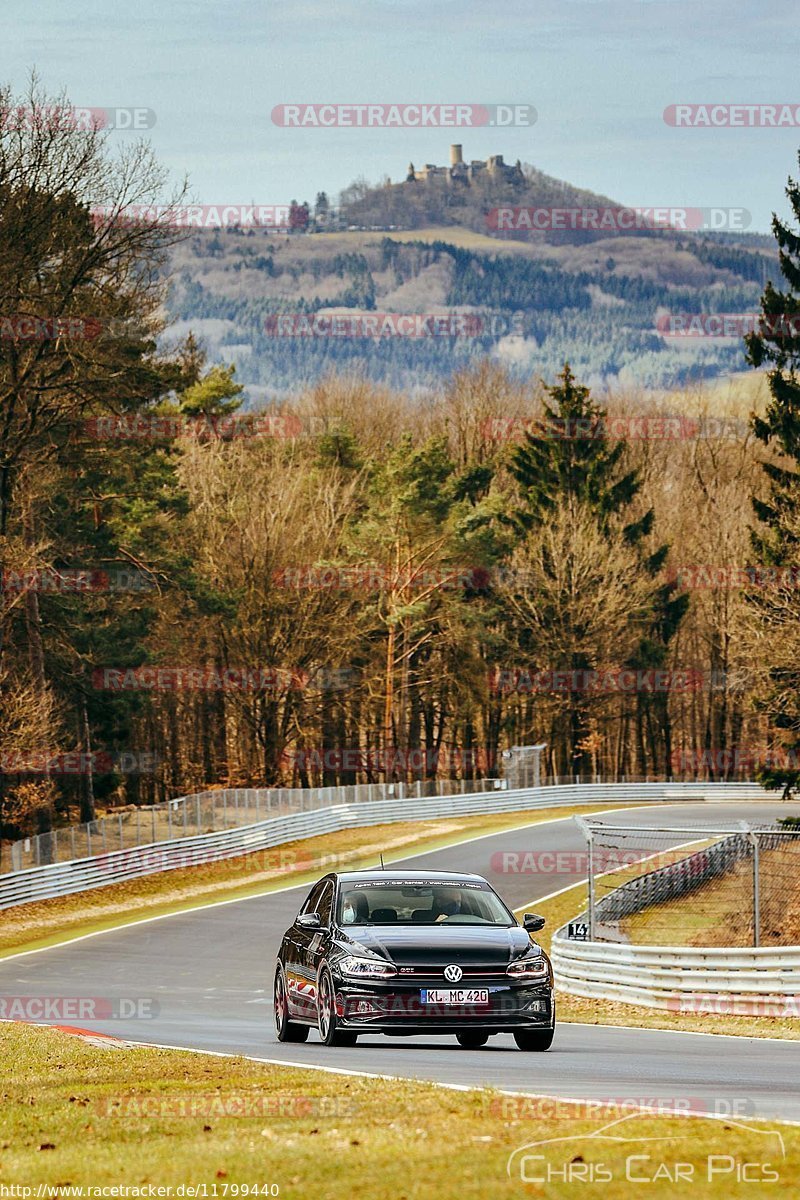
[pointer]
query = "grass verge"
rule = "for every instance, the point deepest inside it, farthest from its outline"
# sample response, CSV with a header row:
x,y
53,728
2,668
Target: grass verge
x,y
48,922
75,1116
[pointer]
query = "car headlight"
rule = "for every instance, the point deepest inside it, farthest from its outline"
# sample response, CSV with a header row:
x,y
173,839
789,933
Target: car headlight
x,y
366,968
528,968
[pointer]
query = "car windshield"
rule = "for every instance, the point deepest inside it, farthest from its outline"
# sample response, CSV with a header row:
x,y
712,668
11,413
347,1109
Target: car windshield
x,y
434,903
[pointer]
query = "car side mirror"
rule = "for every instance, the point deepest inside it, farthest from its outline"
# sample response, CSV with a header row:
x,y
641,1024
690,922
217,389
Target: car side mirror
x,y
309,921
532,922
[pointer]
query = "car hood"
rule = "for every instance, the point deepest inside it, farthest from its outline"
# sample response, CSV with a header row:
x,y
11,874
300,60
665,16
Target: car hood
x,y
474,945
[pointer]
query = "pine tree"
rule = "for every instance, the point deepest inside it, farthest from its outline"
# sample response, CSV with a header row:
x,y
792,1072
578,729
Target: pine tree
x,y
569,459
775,541
568,455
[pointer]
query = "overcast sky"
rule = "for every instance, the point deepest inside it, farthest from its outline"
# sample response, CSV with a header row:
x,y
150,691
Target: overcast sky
x,y
599,72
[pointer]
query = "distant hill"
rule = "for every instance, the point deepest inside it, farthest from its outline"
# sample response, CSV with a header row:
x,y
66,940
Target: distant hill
x,y
603,302
442,202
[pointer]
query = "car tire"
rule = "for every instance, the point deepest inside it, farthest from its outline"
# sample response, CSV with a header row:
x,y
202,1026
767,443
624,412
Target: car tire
x,y
472,1039
534,1039
327,1021
287,1031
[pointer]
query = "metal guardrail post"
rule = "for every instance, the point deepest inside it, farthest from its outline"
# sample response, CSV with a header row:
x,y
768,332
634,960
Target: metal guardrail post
x,y
586,830
752,837
756,892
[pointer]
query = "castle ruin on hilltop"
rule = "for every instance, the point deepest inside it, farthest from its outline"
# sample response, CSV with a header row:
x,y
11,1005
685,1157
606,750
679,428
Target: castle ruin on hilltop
x,y
462,172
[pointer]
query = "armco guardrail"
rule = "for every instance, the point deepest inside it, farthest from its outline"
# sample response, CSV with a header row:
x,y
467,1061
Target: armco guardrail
x,y
228,808
208,812
77,875
761,981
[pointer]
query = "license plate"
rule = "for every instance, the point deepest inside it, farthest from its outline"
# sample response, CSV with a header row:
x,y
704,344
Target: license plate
x,y
455,996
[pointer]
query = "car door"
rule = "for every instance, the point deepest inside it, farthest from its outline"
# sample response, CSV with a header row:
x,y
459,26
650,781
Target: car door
x,y
320,944
300,984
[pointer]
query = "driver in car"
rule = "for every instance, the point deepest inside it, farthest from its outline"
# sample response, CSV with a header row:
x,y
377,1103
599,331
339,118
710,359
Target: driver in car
x,y
448,903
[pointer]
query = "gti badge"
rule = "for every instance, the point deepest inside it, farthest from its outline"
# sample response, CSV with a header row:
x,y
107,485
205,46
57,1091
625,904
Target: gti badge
x,y
453,973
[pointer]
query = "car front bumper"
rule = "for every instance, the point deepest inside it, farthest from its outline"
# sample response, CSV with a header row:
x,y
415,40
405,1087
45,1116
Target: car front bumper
x,y
397,1008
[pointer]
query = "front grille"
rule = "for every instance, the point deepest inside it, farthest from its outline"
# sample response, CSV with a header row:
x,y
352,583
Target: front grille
x,y
435,974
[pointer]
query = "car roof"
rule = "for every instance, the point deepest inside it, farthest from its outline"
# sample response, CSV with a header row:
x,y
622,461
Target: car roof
x,y
391,874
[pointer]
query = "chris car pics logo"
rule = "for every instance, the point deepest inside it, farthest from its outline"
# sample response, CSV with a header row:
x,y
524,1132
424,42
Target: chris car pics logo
x,y
621,1150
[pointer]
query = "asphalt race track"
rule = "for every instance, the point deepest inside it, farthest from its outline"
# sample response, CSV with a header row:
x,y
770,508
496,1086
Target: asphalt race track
x,y
210,975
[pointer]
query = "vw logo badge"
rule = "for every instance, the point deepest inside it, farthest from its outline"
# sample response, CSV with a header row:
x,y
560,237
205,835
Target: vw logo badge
x,y
453,973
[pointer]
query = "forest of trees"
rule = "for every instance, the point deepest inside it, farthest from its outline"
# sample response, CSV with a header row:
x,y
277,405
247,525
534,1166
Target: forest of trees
x,y
603,320
357,584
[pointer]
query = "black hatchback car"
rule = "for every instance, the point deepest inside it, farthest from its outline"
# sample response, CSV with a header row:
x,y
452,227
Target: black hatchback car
x,y
411,952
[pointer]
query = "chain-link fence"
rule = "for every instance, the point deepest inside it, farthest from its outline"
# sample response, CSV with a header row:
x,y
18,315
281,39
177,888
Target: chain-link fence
x,y
692,885
208,812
